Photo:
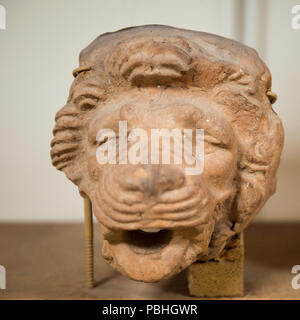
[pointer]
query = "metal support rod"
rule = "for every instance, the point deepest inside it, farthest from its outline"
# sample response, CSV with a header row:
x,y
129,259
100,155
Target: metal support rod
x,y
89,245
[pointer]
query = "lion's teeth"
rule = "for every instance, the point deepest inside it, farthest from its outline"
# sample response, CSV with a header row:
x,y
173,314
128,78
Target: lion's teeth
x,y
151,230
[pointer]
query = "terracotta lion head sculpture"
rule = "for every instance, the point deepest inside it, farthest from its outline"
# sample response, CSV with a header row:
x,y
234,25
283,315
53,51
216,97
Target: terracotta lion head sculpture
x,y
155,219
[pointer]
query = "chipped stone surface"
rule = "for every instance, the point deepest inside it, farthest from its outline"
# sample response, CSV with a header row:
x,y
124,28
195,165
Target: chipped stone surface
x,y
163,77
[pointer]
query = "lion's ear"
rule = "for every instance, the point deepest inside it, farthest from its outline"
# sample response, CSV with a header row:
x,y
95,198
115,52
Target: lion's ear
x,y
65,146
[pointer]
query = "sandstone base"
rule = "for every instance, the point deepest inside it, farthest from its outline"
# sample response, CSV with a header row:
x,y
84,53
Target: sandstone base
x,y
222,277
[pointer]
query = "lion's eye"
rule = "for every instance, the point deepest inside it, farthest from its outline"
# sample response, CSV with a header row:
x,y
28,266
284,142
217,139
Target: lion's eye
x,y
87,104
104,139
214,141
101,141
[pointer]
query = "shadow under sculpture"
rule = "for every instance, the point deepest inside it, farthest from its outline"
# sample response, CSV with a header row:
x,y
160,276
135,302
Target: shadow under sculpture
x,y
155,219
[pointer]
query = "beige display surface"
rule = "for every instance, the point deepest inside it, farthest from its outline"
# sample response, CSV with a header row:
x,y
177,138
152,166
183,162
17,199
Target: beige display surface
x,y
57,261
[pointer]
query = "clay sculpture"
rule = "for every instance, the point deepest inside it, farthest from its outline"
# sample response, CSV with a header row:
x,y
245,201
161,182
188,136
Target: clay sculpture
x,y
155,218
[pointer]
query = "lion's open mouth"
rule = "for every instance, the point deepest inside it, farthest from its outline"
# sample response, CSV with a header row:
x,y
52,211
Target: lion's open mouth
x,y
150,254
147,242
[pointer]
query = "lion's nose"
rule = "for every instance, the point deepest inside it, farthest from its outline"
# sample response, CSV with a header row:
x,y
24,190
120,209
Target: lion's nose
x,y
152,179
169,178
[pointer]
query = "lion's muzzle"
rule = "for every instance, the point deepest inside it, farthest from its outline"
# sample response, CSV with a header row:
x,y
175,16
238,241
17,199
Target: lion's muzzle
x,y
151,196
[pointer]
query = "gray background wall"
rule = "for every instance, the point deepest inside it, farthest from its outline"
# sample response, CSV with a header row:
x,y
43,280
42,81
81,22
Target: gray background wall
x,y
40,48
